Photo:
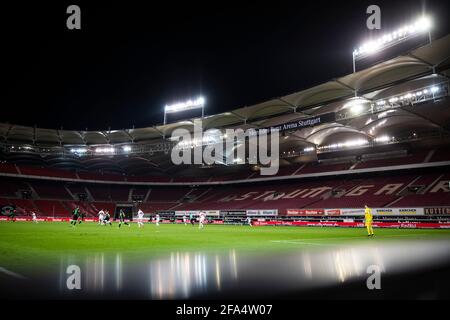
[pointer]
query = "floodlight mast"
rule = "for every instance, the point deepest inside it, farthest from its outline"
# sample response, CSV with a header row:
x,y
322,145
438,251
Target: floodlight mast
x,y
420,26
198,103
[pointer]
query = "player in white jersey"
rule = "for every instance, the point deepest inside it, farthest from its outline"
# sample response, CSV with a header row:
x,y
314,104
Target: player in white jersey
x,y
140,218
157,220
185,220
33,217
249,221
201,220
101,216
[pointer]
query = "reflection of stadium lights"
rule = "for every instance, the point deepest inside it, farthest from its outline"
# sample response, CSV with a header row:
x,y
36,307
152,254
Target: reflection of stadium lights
x,y
393,100
382,139
209,138
186,105
355,105
309,149
346,144
356,109
421,25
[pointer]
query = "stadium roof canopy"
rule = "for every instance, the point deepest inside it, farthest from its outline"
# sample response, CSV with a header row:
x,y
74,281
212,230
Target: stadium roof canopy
x,y
424,66
370,83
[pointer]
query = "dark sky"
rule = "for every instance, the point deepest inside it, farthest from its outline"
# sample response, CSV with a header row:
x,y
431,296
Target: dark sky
x,y
132,57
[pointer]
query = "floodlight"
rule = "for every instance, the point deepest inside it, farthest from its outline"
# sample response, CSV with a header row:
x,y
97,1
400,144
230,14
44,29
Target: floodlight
x,y
105,150
186,105
422,25
78,150
191,104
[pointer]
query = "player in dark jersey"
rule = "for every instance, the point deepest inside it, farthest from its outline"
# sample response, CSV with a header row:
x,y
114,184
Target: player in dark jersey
x,y
12,215
122,218
76,214
107,218
81,215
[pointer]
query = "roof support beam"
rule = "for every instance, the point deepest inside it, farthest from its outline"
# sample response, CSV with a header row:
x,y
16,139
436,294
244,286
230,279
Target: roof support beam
x,y
105,134
355,92
244,120
82,137
412,55
160,132
8,131
294,107
58,133
127,132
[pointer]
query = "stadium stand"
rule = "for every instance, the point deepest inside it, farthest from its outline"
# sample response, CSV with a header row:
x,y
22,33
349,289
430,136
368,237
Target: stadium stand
x,y
442,154
45,172
148,179
99,192
317,167
398,189
51,208
11,187
52,190
167,195
76,189
409,159
103,177
8,168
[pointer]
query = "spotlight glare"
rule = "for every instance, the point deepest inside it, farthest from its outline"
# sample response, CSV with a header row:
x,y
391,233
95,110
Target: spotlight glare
x,y
186,105
421,25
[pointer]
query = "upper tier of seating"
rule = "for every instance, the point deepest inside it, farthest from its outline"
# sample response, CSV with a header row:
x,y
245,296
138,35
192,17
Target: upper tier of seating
x,y
437,155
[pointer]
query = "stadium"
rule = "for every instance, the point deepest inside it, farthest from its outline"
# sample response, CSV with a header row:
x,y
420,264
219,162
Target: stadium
x,y
378,137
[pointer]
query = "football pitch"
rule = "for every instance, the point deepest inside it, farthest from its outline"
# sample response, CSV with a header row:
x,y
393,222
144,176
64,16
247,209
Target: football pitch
x,y
26,245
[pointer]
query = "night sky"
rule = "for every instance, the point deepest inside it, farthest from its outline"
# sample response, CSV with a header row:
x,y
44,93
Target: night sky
x,y
132,57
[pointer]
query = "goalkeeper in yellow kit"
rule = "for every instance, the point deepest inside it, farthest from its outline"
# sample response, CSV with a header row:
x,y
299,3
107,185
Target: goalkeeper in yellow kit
x,y
368,218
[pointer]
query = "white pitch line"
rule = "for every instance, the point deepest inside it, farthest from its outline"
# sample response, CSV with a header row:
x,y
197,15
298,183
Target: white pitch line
x,y
11,273
308,243
344,238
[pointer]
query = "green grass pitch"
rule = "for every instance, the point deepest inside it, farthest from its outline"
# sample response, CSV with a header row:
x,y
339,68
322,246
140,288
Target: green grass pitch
x,y
25,245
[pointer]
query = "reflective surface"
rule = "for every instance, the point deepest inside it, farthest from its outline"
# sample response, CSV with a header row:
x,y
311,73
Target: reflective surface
x,y
232,274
